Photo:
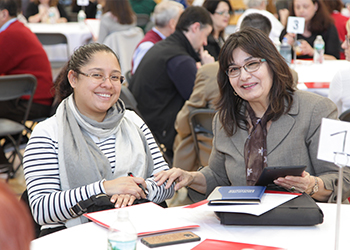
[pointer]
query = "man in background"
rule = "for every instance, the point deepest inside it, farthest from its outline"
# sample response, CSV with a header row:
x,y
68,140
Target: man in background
x,y
165,76
165,16
259,6
22,53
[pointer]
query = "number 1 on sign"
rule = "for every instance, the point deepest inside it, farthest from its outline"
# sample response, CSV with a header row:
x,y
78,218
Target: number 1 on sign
x,y
333,139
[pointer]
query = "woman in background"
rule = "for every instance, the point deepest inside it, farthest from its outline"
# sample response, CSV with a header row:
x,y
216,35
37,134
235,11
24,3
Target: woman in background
x,y
317,22
38,11
119,16
334,8
220,13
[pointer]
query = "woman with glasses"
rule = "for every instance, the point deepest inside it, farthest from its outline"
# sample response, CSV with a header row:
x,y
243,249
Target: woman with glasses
x,y
262,121
339,87
220,12
90,145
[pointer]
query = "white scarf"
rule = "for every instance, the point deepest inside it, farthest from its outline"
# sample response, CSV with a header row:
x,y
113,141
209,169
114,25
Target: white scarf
x,y
81,162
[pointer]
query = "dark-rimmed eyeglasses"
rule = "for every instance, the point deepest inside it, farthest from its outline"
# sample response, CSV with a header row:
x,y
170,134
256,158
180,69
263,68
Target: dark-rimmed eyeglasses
x,y
99,78
251,66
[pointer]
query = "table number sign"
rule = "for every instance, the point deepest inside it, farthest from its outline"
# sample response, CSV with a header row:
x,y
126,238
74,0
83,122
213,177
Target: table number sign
x,y
295,25
334,138
334,146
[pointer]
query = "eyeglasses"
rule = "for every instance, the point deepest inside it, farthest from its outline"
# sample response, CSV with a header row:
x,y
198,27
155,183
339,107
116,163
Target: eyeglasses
x,y
252,66
221,13
99,78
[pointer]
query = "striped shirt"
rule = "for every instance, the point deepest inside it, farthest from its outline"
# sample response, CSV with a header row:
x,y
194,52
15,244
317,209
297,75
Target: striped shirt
x,y
50,205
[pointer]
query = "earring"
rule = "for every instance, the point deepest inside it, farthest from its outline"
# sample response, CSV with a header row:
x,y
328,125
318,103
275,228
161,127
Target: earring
x,y
234,92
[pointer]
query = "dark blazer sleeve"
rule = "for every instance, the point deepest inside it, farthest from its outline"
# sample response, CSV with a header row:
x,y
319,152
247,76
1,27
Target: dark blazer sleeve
x,y
332,42
32,9
62,11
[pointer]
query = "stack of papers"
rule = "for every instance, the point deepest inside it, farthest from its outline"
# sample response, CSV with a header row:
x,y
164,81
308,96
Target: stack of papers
x,y
228,195
268,202
147,218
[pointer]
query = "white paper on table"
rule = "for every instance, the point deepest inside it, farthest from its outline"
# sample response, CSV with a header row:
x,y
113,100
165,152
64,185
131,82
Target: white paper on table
x,y
94,27
147,218
268,202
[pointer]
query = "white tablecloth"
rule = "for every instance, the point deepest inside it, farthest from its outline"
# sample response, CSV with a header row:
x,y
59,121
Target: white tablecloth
x,y
77,34
321,237
310,72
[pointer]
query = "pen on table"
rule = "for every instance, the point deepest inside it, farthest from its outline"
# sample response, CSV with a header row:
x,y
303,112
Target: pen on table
x,y
143,189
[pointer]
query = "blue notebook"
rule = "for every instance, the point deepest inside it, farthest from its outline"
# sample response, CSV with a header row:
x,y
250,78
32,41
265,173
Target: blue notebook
x,y
229,195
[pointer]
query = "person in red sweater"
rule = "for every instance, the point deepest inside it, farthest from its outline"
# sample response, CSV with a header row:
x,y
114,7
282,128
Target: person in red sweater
x,y
334,8
22,53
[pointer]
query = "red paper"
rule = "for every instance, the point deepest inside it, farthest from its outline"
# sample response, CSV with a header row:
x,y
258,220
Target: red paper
x,y
210,244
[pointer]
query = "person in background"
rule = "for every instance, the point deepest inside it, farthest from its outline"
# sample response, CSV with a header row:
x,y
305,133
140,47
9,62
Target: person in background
x,y
340,85
259,6
257,21
89,145
90,10
143,6
220,12
262,121
165,76
15,221
165,16
282,10
38,11
317,22
334,8
18,59
119,16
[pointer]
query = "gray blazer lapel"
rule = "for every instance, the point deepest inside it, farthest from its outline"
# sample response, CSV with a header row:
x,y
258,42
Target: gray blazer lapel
x,y
280,129
238,140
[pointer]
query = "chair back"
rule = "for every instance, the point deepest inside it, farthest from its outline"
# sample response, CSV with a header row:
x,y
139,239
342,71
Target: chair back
x,y
128,77
345,116
201,122
129,100
123,43
15,86
49,39
142,20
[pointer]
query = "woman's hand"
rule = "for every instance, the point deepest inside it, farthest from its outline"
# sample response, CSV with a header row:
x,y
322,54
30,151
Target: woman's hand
x,y
123,200
181,177
303,183
290,38
205,56
306,48
125,186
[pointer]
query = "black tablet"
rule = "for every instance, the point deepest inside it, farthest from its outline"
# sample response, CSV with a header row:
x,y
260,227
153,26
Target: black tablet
x,y
270,174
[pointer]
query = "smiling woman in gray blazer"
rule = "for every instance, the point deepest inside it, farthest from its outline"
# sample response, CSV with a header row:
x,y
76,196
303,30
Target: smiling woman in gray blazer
x,y
262,121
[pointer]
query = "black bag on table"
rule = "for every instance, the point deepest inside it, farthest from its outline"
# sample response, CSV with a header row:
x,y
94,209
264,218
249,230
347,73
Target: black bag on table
x,y
300,211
